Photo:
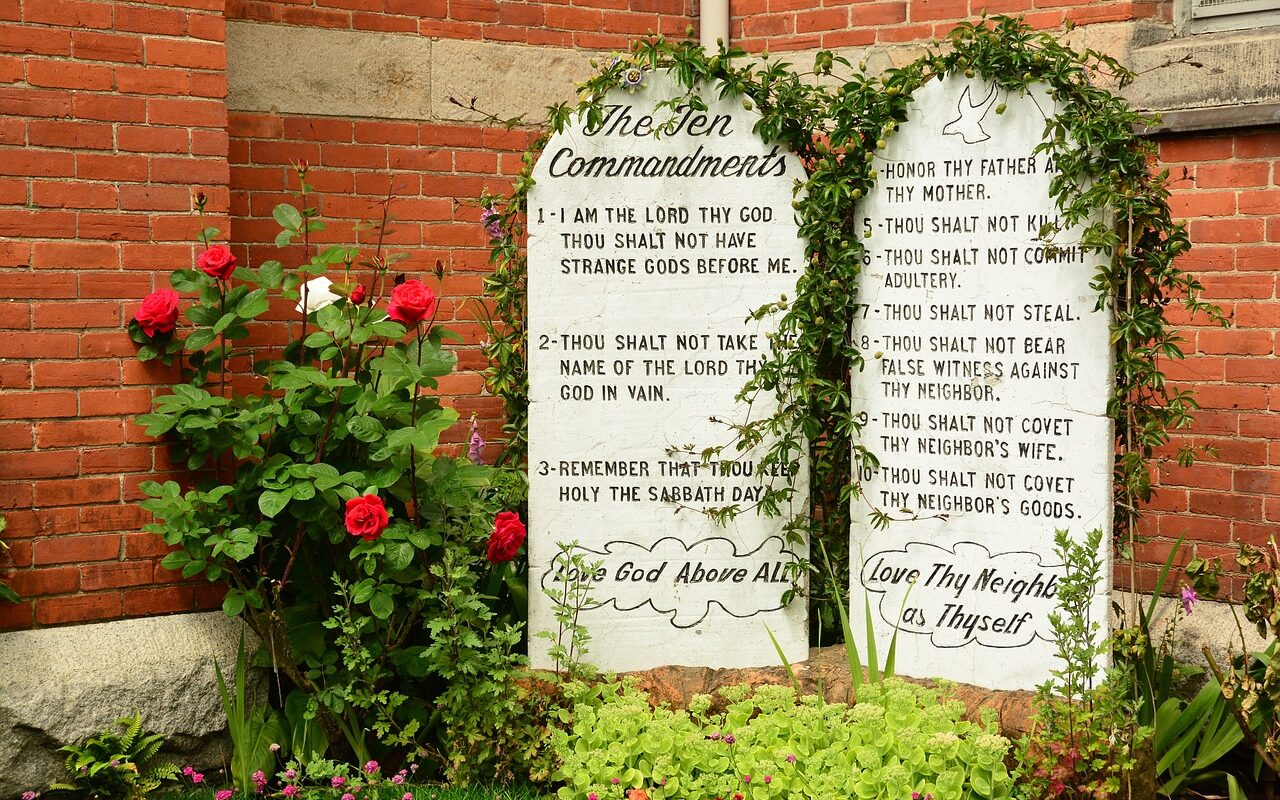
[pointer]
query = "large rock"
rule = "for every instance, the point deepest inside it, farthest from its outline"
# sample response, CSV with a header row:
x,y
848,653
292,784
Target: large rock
x,y
827,667
63,685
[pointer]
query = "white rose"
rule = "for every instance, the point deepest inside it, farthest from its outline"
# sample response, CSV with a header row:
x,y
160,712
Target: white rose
x,y
316,294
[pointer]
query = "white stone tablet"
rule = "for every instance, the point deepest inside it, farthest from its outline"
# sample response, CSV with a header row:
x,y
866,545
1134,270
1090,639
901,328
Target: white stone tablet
x,y
986,383
646,257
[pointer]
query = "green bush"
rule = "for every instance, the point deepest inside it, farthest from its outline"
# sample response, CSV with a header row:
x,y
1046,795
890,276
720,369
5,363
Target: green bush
x,y
899,739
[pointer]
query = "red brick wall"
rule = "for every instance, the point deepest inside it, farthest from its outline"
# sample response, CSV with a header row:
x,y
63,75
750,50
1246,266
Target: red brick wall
x,y
790,25
1228,189
592,24
111,112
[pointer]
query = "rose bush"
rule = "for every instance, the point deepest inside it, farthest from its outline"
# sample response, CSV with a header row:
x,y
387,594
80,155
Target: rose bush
x,y
345,539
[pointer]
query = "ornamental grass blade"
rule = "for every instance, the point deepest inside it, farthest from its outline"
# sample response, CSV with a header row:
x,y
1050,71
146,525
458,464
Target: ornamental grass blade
x,y
791,673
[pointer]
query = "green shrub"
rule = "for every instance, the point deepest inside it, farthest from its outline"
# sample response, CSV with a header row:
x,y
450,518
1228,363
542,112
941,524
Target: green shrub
x,y
898,739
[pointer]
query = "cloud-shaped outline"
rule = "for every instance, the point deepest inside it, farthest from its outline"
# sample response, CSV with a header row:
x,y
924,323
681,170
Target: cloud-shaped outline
x,y
688,548
953,554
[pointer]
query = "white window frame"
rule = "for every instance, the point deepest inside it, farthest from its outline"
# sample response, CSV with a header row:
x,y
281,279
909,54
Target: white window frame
x,y
1247,15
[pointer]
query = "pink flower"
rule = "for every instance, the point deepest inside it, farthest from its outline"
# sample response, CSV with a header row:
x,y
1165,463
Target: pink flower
x,y
407,796
198,777
593,796
1189,599
791,758
614,781
336,781
29,795
290,790
348,796
275,747
225,794
768,779
188,770
746,779
397,779
290,774
371,767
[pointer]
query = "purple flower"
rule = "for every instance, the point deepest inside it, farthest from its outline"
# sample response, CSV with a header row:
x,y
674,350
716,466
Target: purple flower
x,y
290,774
791,758
632,78
115,762
475,451
714,736
370,767
1189,599
492,222
729,738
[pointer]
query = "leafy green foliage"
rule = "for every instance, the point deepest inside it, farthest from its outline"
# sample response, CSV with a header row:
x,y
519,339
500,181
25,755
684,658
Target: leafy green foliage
x,y
117,765
1084,741
253,730
900,738
385,634
6,591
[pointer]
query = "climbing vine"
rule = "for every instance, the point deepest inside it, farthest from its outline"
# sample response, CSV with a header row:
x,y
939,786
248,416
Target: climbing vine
x,y
836,117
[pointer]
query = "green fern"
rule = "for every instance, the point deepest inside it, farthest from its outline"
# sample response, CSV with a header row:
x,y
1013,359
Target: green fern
x,y
117,765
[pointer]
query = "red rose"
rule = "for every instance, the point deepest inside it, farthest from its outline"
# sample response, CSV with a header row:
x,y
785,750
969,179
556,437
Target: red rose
x,y
217,261
508,534
159,312
357,294
366,517
411,302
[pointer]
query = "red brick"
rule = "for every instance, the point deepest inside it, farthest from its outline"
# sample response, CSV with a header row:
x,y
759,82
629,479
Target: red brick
x,y
35,41
73,195
152,80
110,167
39,345
77,549
106,47
155,198
152,140
111,108
160,600
74,255
78,608
1227,230
79,432
196,55
69,75
1231,175
115,575
38,163
39,582
77,492
1258,145
141,19
1196,148
190,113
34,103
76,374
68,13
35,405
